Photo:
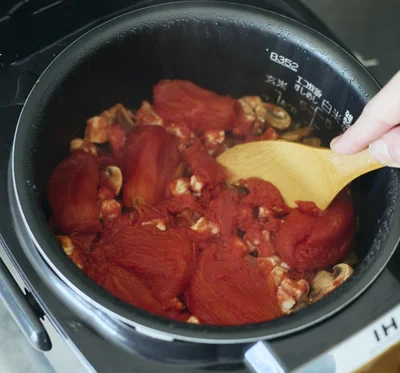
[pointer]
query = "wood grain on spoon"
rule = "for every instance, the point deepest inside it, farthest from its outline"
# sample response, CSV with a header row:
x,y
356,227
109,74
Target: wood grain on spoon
x,y
300,172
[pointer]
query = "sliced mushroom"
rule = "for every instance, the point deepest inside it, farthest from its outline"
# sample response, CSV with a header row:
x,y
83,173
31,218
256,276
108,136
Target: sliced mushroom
x,y
312,141
274,115
111,178
253,101
297,135
325,282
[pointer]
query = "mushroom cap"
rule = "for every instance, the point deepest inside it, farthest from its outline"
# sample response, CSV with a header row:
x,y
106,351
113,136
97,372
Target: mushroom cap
x,y
324,282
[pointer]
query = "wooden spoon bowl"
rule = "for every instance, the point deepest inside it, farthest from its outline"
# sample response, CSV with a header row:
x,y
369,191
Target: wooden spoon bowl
x,y
300,172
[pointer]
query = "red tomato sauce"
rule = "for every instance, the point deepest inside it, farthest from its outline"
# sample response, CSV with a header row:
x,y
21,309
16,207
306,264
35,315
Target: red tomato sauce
x,y
147,214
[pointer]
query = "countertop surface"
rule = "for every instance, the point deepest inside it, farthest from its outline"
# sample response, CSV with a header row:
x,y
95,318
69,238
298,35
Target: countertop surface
x,y
369,29
18,356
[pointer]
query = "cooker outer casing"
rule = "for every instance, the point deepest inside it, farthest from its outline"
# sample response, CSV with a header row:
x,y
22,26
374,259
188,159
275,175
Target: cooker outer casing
x,y
231,49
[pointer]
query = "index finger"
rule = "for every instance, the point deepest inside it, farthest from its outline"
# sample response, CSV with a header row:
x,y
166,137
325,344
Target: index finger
x,y
380,115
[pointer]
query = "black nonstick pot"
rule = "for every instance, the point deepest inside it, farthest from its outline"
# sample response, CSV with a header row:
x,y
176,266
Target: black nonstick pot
x,y
227,48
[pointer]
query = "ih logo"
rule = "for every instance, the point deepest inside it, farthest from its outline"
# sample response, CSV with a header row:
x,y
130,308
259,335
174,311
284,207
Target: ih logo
x,y
385,329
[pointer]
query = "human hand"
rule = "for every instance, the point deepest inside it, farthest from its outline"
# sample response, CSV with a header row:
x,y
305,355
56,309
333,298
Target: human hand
x,y
378,127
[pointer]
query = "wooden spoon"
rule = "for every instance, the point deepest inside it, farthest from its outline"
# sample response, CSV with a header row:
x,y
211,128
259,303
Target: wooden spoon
x,y
300,172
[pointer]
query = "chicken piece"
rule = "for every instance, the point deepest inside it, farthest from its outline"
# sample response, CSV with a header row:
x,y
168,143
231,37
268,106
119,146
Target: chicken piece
x,y
86,146
120,115
196,185
296,289
289,292
279,273
214,137
193,320
259,241
246,119
146,116
285,301
179,186
269,263
97,127
105,193
110,209
182,133
96,130
204,225
265,213
159,223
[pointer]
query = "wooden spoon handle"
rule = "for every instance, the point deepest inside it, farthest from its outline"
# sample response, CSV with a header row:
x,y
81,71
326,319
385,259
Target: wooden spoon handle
x,y
354,165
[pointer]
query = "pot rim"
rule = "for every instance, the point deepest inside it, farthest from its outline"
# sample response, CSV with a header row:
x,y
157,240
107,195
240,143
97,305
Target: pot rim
x,y
156,326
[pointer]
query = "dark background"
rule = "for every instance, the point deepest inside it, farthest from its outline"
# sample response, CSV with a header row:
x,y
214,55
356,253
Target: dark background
x,y
369,28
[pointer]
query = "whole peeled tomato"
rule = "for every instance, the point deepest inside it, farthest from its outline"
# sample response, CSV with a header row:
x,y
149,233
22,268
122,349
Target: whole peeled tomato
x,y
151,160
163,259
229,288
317,241
184,103
125,285
72,194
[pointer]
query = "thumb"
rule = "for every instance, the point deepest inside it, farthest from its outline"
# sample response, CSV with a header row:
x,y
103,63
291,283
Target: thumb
x,y
386,149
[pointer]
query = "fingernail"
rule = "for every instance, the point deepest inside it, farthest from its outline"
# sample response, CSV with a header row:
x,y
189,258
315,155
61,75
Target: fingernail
x,y
334,141
381,152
